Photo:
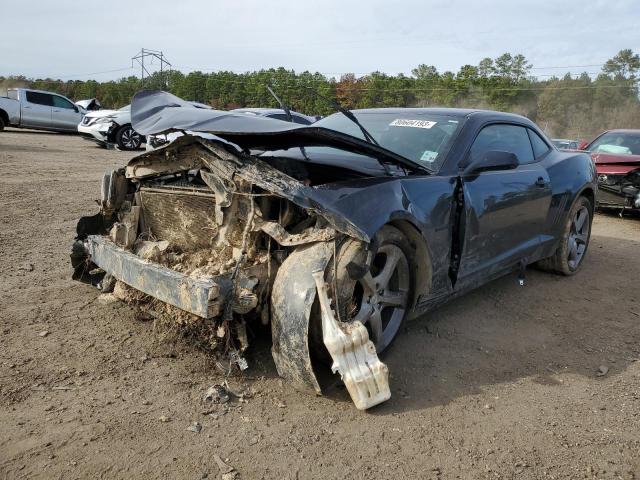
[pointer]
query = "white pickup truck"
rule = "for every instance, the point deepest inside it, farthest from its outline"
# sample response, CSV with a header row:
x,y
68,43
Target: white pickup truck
x,y
25,108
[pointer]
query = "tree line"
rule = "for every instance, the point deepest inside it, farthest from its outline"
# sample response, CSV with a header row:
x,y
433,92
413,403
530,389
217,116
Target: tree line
x,y
569,106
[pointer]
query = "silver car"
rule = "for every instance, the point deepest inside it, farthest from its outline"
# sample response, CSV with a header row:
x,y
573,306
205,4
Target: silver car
x,y
26,108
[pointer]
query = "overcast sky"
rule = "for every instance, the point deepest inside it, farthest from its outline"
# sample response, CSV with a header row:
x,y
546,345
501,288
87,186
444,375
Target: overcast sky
x,y
71,39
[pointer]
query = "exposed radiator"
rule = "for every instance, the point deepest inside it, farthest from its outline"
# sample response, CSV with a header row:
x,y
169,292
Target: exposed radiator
x,y
184,216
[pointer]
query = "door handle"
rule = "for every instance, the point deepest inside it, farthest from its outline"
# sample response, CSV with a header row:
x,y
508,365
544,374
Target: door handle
x,y
541,182
27,107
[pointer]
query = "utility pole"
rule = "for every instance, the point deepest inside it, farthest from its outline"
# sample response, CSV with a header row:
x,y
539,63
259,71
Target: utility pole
x,y
150,55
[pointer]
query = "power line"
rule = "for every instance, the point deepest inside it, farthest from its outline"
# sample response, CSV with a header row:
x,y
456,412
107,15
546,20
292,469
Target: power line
x,y
93,73
568,66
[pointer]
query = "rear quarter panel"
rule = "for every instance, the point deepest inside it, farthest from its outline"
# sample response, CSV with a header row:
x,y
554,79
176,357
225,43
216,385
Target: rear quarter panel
x,y
571,174
12,109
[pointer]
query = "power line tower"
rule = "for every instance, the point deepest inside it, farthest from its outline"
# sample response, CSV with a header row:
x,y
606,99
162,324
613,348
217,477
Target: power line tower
x,y
149,56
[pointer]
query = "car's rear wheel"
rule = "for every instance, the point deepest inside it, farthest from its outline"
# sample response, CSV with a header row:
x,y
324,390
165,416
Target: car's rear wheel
x,y
127,138
381,298
1,124
570,254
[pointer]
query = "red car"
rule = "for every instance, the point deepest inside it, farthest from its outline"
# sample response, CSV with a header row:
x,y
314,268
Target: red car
x,y
616,154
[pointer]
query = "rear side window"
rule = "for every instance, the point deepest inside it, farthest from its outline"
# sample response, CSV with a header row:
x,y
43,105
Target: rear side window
x,y
39,98
504,138
60,102
540,147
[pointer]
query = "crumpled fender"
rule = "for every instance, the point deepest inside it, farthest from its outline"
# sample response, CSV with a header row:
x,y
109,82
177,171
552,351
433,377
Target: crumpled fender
x,y
294,291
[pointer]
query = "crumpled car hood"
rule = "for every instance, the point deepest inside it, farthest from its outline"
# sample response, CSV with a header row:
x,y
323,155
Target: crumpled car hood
x,y
154,112
615,164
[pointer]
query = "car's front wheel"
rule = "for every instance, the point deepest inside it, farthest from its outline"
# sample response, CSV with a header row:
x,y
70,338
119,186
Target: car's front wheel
x,y
576,234
127,138
381,297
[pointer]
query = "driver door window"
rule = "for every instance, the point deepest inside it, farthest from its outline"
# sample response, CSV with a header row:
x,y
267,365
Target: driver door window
x,y
505,138
59,102
64,115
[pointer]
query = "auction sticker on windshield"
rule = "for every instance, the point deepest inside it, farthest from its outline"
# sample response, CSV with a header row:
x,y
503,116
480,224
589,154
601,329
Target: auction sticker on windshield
x,y
405,122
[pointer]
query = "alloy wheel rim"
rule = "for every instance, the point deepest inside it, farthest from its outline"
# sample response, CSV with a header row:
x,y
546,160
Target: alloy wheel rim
x,y
383,295
130,138
578,237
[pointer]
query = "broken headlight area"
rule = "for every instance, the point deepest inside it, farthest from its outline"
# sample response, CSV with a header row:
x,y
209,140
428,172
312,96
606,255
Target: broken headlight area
x,y
619,190
218,239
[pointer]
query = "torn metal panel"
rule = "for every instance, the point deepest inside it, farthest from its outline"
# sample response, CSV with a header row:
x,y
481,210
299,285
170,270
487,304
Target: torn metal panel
x,y
228,167
261,174
286,239
354,355
294,292
161,162
201,296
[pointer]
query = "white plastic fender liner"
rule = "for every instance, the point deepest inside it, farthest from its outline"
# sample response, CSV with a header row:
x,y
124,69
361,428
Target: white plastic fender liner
x,y
354,355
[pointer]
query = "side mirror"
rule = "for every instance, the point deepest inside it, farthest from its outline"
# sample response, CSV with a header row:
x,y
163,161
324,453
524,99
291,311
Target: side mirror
x,y
583,145
493,160
75,107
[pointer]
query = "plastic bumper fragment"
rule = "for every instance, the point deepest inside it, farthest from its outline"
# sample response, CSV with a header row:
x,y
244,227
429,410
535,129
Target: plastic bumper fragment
x,y
354,355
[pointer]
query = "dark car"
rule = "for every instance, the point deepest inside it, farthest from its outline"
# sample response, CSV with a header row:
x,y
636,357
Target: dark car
x,y
616,154
395,215
278,114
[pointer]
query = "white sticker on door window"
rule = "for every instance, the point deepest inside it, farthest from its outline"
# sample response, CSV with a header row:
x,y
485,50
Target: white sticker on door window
x,y
406,122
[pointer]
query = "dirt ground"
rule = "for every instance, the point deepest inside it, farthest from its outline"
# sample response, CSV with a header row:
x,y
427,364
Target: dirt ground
x,y
502,383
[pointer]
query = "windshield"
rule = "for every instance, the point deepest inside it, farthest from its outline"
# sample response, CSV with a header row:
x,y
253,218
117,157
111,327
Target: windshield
x,y
419,136
617,142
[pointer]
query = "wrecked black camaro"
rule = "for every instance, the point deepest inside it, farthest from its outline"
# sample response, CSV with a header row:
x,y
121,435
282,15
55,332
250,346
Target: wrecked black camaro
x,y
333,233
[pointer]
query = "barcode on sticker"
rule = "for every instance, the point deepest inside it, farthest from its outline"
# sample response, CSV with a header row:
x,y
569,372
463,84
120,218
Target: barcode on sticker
x,y
404,122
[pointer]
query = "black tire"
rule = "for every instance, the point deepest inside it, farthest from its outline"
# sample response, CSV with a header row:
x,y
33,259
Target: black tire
x,y
388,244
128,139
564,262
2,124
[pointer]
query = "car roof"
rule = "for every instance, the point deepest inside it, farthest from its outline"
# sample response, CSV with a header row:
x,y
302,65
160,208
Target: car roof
x,y
452,112
39,91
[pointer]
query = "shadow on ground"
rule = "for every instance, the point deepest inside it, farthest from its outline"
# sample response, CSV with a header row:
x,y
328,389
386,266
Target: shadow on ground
x,y
503,332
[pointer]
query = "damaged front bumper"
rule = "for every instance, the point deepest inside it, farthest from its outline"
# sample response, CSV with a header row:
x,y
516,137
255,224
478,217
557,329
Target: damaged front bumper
x,y
97,132
203,296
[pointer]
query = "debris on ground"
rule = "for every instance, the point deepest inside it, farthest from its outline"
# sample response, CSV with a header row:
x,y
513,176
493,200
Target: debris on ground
x,y
216,394
236,358
227,472
106,298
602,371
195,427
43,333
164,419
